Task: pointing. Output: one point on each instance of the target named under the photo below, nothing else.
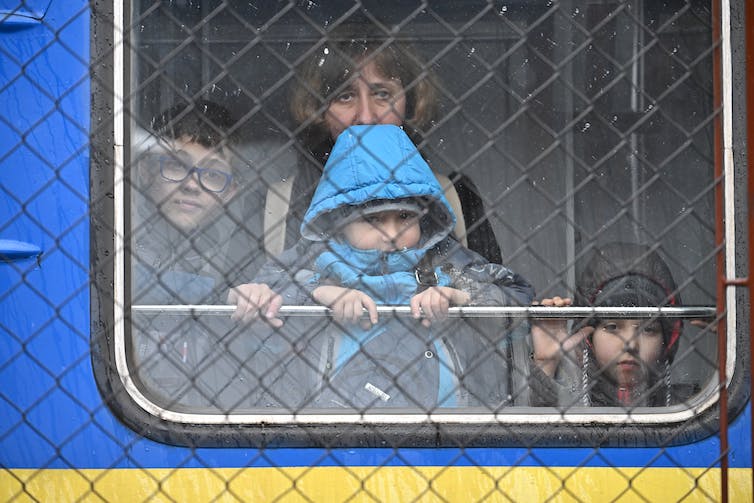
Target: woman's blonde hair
(337, 61)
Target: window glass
(574, 144)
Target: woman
(370, 79)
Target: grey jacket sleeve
(291, 274)
(516, 290)
(513, 289)
(564, 390)
(488, 284)
(483, 293)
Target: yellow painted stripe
(374, 484)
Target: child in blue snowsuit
(377, 233)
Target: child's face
(385, 231)
(628, 350)
(371, 98)
(188, 201)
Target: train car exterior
(576, 124)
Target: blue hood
(372, 163)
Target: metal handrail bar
(546, 312)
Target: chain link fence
(576, 145)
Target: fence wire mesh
(573, 142)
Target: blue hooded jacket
(376, 168)
(397, 362)
(373, 163)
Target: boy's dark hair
(325, 73)
(204, 122)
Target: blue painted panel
(45, 368)
(17, 12)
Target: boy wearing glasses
(184, 181)
(179, 254)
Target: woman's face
(370, 98)
(628, 351)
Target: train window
(573, 142)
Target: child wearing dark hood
(612, 362)
(378, 233)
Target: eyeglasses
(174, 169)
